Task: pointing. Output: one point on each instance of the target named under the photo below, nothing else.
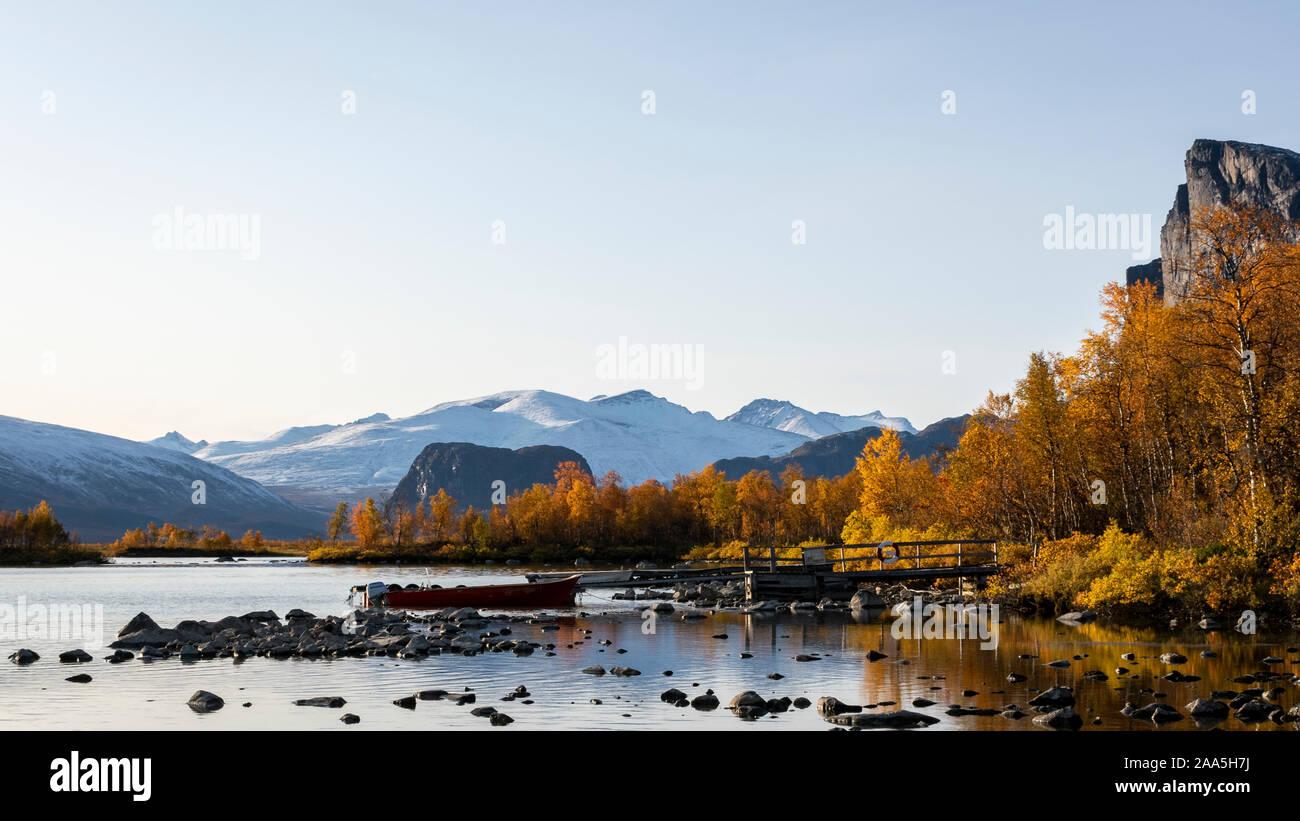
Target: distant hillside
(836, 455)
(101, 485)
(782, 415)
(467, 471)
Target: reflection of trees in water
(964, 665)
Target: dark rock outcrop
(467, 471)
(1149, 272)
(1219, 172)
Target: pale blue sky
(924, 231)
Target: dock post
(771, 557)
(961, 580)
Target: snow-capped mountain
(175, 441)
(101, 485)
(782, 415)
(288, 436)
(640, 435)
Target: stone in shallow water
(832, 706)
(204, 702)
(1055, 697)
(1063, 719)
(321, 701)
(893, 720)
(1207, 708)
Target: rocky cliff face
(467, 471)
(1219, 173)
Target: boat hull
(558, 593)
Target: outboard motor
(375, 593)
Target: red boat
(558, 593)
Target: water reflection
(806, 653)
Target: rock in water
(708, 701)
(204, 702)
(1207, 708)
(1063, 719)
(1055, 697)
(1078, 617)
(321, 701)
(893, 720)
(141, 621)
(748, 699)
(24, 656)
(832, 706)
(866, 599)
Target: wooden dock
(828, 571)
(837, 571)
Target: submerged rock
(321, 701)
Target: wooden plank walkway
(834, 571)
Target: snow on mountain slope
(640, 435)
(782, 415)
(288, 436)
(175, 441)
(101, 485)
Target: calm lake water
(140, 694)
